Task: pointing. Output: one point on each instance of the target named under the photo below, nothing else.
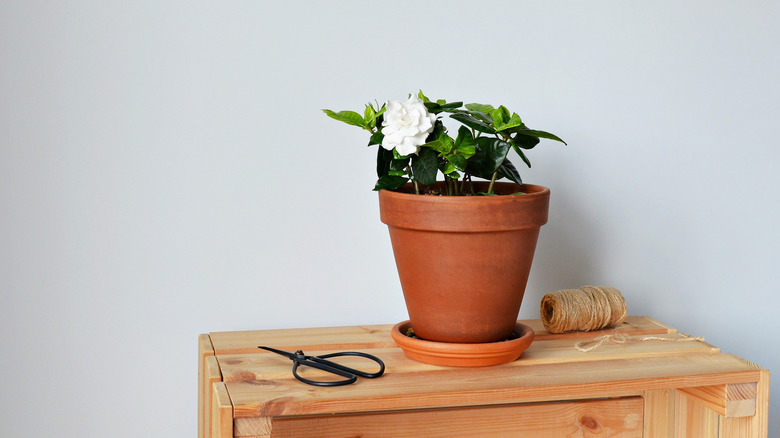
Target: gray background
(165, 171)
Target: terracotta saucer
(463, 355)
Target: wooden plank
(564, 350)
(633, 325)
(742, 408)
(659, 413)
(378, 336)
(204, 349)
(261, 383)
(653, 364)
(614, 418)
(326, 338)
(270, 375)
(693, 418)
(212, 375)
(755, 426)
(263, 365)
(221, 412)
(252, 427)
(656, 323)
(516, 382)
(736, 400)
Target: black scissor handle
(351, 370)
(350, 377)
(321, 363)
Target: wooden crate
(659, 384)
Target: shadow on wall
(568, 254)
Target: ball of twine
(585, 309)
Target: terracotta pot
(464, 261)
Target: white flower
(406, 125)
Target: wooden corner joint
(733, 400)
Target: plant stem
(492, 181)
(414, 181)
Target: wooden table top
(260, 384)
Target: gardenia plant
(416, 146)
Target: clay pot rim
(467, 213)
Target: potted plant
(463, 247)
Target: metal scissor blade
(286, 354)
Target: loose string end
(622, 338)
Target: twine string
(622, 338)
(588, 308)
(591, 308)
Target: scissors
(321, 363)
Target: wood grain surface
(671, 384)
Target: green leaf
(422, 97)
(524, 158)
(464, 143)
(541, 134)
(459, 161)
(478, 107)
(482, 116)
(425, 166)
(476, 114)
(451, 106)
(513, 122)
(388, 164)
(500, 116)
(473, 122)
(436, 145)
(491, 153)
(438, 130)
(372, 117)
(482, 112)
(466, 151)
(376, 138)
(383, 159)
(399, 164)
(449, 143)
(348, 117)
(495, 150)
(509, 171)
(439, 140)
(432, 107)
(525, 142)
(390, 182)
(369, 115)
(441, 106)
(447, 168)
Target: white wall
(165, 171)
